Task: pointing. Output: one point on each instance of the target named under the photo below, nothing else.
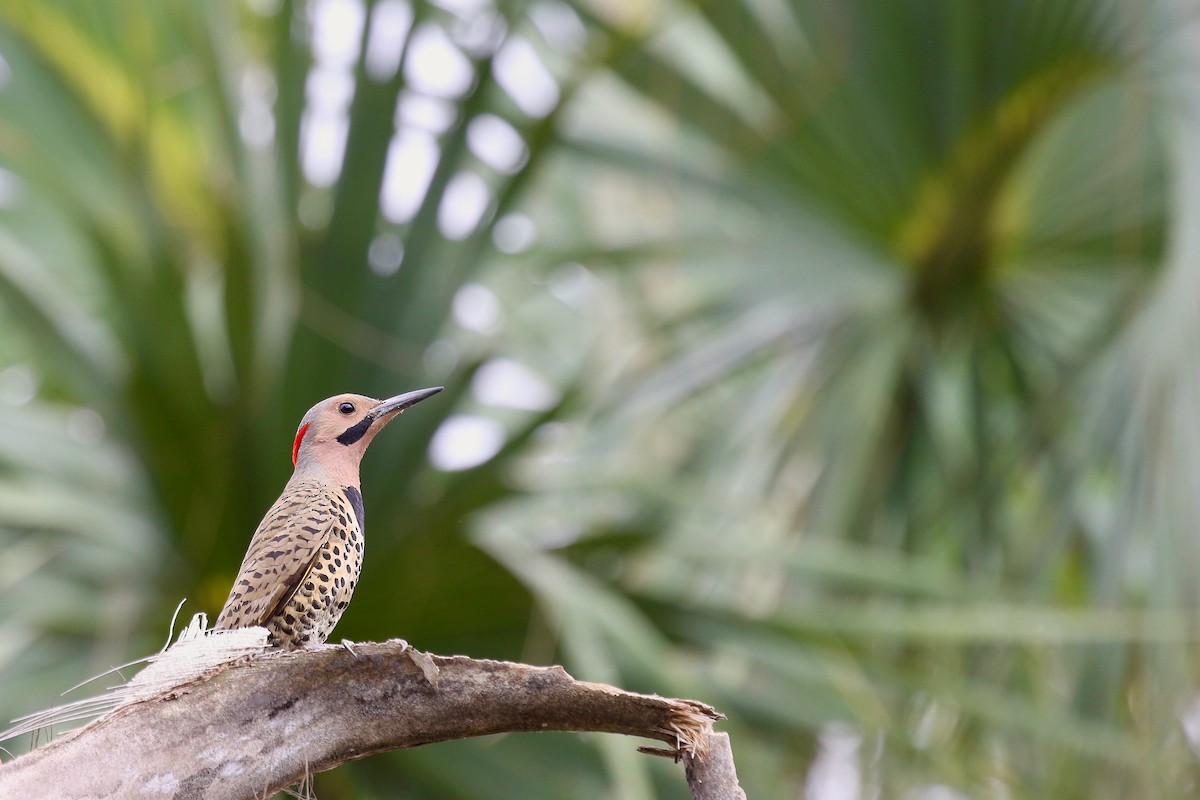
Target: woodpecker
(303, 561)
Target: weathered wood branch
(254, 726)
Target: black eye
(346, 408)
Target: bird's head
(335, 432)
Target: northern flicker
(304, 559)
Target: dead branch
(257, 725)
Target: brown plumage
(303, 561)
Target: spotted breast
(302, 565)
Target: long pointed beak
(394, 405)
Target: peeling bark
(254, 726)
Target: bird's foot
(349, 645)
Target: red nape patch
(296, 444)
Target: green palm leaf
(861, 387)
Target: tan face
(331, 418)
(343, 425)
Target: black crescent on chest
(356, 502)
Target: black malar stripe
(355, 432)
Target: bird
(304, 559)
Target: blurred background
(837, 364)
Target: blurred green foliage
(828, 362)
